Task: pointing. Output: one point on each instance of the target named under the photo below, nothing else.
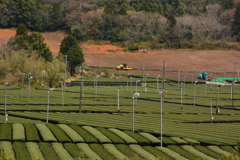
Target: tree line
(134, 24)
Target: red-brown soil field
(212, 61)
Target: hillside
(176, 60)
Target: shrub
(217, 150)
(141, 140)
(156, 152)
(88, 151)
(7, 148)
(151, 138)
(34, 150)
(48, 151)
(31, 133)
(171, 153)
(58, 133)
(207, 151)
(18, 132)
(104, 154)
(179, 141)
(191, 141)
(195, 152)
(21, 151)
(74, 150)
(138, 149)
(114, 138)
(45, 133)
(126, 150)
(85, 134)
(61, 151)
(101, 137)
(6, 132)
(124, 136)
(168, 141)
(75, 137)
(114, 151)
(182, 152)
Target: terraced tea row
(61, 141)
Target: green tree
(123, 9)
(21, 39)
(56, 18)
(236, 23)
(171, 21)
(160, 9)
(145, 7)
(227, 4)
(75, 57)
(37, 44)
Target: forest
(133, 24)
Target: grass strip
(103, 153)
(182, 152)
(31, 133)
(75, 137)
(47, 151)
(21, 151)
(89, 138)
(209, 152)
(157, 153)
(114, 151)
(114, 138)
(179, 141)
(154, 140)
(168, 141)
(74, 151)
(171, 153)
(196, 152)
(141, 140)
(18, 132)
(8, 150)
(58, 133)
(126, 150)
(61, 151)
(101, 137)
(229, 149)
(145, 154)
(6, 132)
(46, 133)
(84, 147)
(217, 150)
(34, 150)
(128, 139)
(191, 141)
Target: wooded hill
(134, 24)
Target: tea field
(58, 125)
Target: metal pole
(65, 74)
(161, 119)
(194, 94)
(163, 73)
(81, 90)
(62, 94)
(48, 106)
(23, 83)
(178, 80)
(181, 97)
(192, 75)
(217, 99)
(29, 87)
(133, 116)
(42, 79)
(5, 102)
(136, 90)
(211, 117)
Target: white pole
(5, 102)
(133, 116)
(181, 97)
(48, 106)
(161, 120)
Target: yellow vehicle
(123, 66)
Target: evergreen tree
(70, 47)
(160, 9)
(145, 7)
(123, 9)
(21, 39)
(37, 44)
(227, 4)
(56, 16)
(236, 22)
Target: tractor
(123, 66)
